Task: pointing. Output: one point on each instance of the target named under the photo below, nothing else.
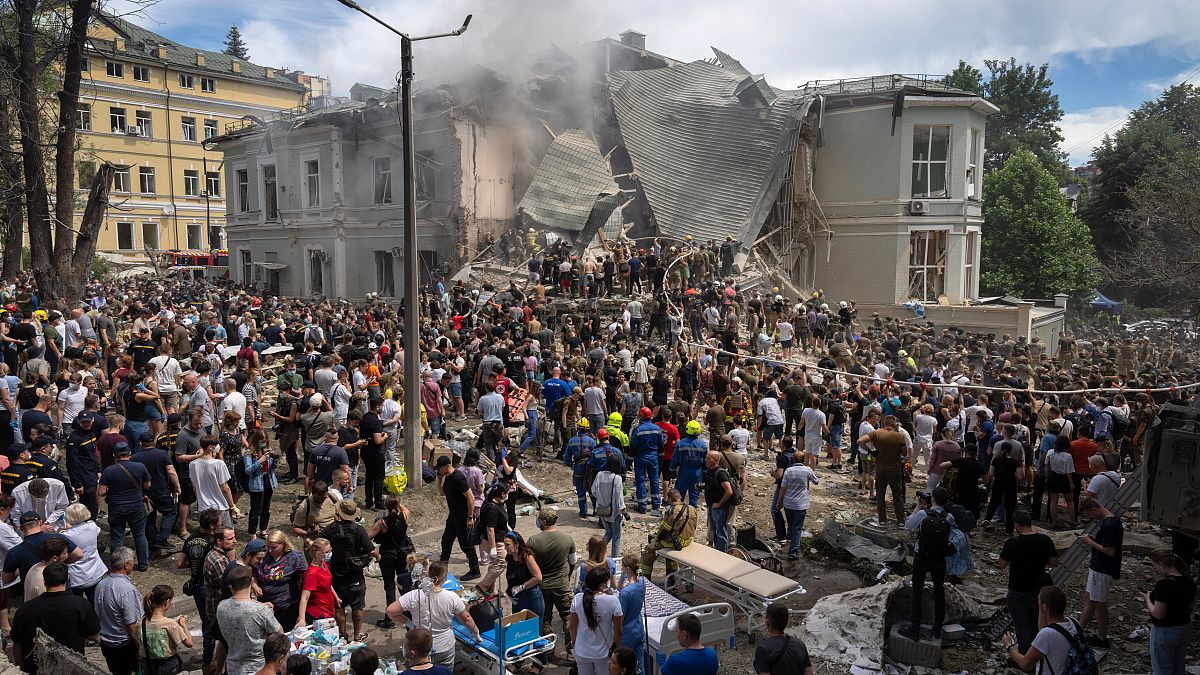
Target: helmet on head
(692, 428)
(583, 423)
(614, 418)
(646, 413)
(602, 434)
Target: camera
(925, 496)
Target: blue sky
(1106, 56)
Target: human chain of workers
(645, 360)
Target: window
(115, 69)
(429, 265)
(969, 290)
(243, 190)
(931, 149)
(85, 117)
(926, 264)
(86, 171)
(316, 273)
(212, 183)
(146, 179)
(186, 81)
(210, 129)
(385, 279)
(116, 119)
(270, 193)
(121, 179)
(973, 168)
(208, 84)
(312, 183)
(141, 73)
(145, 123)
(150, 236)
(195, 239)
(216, 237)
(383, 180)
(125, 237)
(86, 65)
(189, 128)
(191, 183)
(426, 170)
(247, 268)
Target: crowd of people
(150, 397)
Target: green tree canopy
(1033, 246)
(1029, 115)
(965, 77)
(235, 45)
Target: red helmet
(602, 434)
(646, 413)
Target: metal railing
(876, 83)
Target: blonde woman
(281, 575)
(90, 569)
(318, 600)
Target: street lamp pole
(412, 310)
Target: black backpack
(933, 536)
(347, 555)
(1117, 426)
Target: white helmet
(842, 304)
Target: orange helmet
(602, 434)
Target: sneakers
(470, 575)
(1097, 641)
(386, 623)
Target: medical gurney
(663, 609)
(484, 656)
(741, 583)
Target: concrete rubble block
(860, 547)
(921, 652)
(1134, 542)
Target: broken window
(316, 273)
(930, 161)
(312, 183)
(243, 190)
(426, 170)
(969, 290)
(121, 179)
(973, 168)
(270, 193)
(383, 180)
(927, 264)
(86, 171)
(385, 278)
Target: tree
(235, 45)
(1033, 246)
(50, 35)
(1156, 135)
(965, 77)
(1028, 118)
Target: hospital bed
(484, 657)
(746, 586)
(662, 611)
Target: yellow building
(147, 105)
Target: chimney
(235, 66)
(1060, 300)
(634, 39)
(270, 73)
(161, 52)
(119, 44)
(199, 59)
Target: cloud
(1157, 86)
(1083, 130)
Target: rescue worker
(618, 438)
(688, 462)
(576, 454)
(646, 446)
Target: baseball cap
(42, 441)
(86, 416)
(442, 461)
(30, 517)
(175, 418)
(120, 447)
(255, 546)
(146, 437)
(308, 383)
(16, 449)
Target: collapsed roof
(572, 181)
(708, 144)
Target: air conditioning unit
(133, 131)
(918, 207)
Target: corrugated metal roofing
(709, 164)
(573, 175)
(184, 57)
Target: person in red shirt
(1082, 448)
(318, 600)
(662, 419)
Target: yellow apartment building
(147, 104)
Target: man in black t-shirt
(1104, 567)
(29, 552)
(1026, 555)
(123, 483)
(67, 618)
(780, 653)
(718, 495)
(373, 436)
(324, 459)
(164, 487)
(966, 483)
(460, 516)
(347, 540)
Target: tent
(1103, 302)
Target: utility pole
(412, 308)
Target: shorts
(786, 344)
(868, 465)
(1058, 483)
(770, 431)
(812, 446)
(1099, 585)
(153, 414)
(352, 590)
(187, 494)
(456, 390)
(169, 399)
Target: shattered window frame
(270, 192)
(382, 167)
(925, 163)
(385, 274)
(927, 251)
(242, 177)
(126, 240)
(426, 175)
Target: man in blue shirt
(123, 483)
(687, 462)
(694, 658)
(645, 445)
(576, 453)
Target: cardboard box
(433, 448)
(520, 627)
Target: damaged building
(865, 189)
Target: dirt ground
(822, 570)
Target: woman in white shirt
(595, 624)
(340, 398)
(434, 609)
(90, 569)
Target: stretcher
(484, 657)
(662, 613)
(746, 586)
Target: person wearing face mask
(318, 600)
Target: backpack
(1117, 426)
(933, 536)
(949, 481)
(1080, 660)
(348, 556)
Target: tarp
(1108, 304)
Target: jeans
(835, 435)
(612, 533)
(530, 599)
(777, 517)
(688, 484)
(260, 510)
(1024, 610)
(210, 638)
(795, 523)
(134, 430)
(895, 481)
(936, 569)
(135, 518)
(164, 506)
(1168, 648)
(121, 660)
(718, 527)
(645, 468)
